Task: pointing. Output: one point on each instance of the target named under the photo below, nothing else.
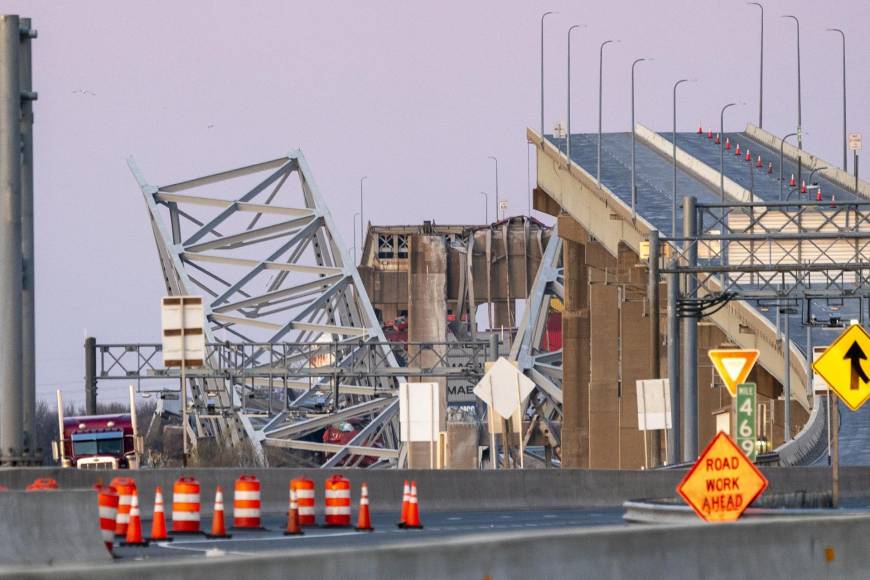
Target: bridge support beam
(575, 349)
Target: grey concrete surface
(46, 527)
(801, 548)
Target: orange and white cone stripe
(158, 520)
(246, 503)
(125, 487)
(185, 505)
(108, 506)
(337, 510)
(304, 489)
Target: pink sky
(414, 95)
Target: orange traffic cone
(413, 521)
(293, 527)
(718, 139)
(406, 500)
(364, 520)
(218, 527)
(833, 200)
(158, 520)
(737, 150)
(803, 186)
(727, 143)
(758, 163)
(700, 129)
(792, 182)
(709, 134)
(769, 167)
(134, 528)
(748, 155)
(819, 195)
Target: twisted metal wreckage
(306, 350)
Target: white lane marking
(454, 519)
(506, 517)
(550, 516)
(169, 545)
(260, 539)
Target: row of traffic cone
(410, 518)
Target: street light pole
(674, 155)
(496, 185)
(361, 232)
(760, 67)
(543, 16)
(722, 150)
(568, 139)
(600, 95)
(781, 146)
(356, 215)
(485, 207)
(633, 139)
(798, 25)
(845, 137)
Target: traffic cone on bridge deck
(803, 186)
(758, 163)
(769, 167)
(737, 150)
(134, 527)
(218, 525)
(700, 129)
(819, 194)
(293, 526)
(709, 133)
(728, 143)
(413, 520)
(748, 155)
(718, 139)
(364, 520)
(792, 182)
(158, 520)
(406, 500)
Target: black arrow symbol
(856, 355)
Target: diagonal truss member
(259, 244)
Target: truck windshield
(98, 443)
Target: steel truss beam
(259, 243)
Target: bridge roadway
(436, 524)
(654, 181)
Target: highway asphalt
(436, 524)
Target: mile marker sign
(722, 483)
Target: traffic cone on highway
(718, 139)
(737, 150)
(819, 195)
(728, 143)
(758, 163)
(803, 186)
(406, 500)
(700, 129)
(748, 155)
(218, 526)
(792, 182)
(364, 520)
(709, 134)
(293, 527)
(413, 521)
(833, 201)
(158, 520)
(134, 528)
(769, 167)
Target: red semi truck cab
(99, 442)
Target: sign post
(504, 388)
(733, 365)
(723, 482)
(746, 423)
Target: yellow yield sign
(733, 365)
(845, 368)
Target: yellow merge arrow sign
(733, 365)
(845, 367)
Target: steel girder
(260, 245)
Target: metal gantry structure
(782, 254)
(260, 245)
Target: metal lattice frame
(260, 245)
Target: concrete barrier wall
(445, 490)
(787, 548)
(833, 172)
(45, 527)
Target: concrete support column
(10, 242)
(575, 357)
(427, 317)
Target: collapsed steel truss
(260, 245)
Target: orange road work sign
(722, 483)
(845, 367)
(733, 365)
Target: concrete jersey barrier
(45, 527)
